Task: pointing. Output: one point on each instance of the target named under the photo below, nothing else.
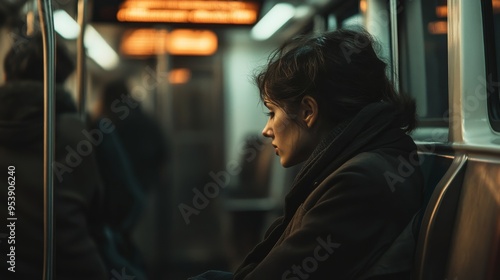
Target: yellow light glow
(179, 76)
(438, 27)
(496, 6)
(192, 42)
(212, 12)
(190, 5)
(147, 42)
(142, 42)
(232, 17)
(363, 6)
(442, 11)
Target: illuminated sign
(179, 76)
(438, 27)
(219, 12)
(147, 42)
(442, 11)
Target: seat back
(460, 230)
(475, 246)
(433, 167)
(438, 219)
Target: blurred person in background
(139, 133)
(77, 186)
(130, 159)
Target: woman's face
(292, 142)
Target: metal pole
(47, 29)
(394, 44)
(81, 69)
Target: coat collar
(375, 126)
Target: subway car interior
(190, 184)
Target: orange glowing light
(363, 6)
(147, 42)
(210, 12)
(437, 27)
(442, 11)
(189, 5)
(496, 6)
(179, 76)
(192, 42)
(143, 42)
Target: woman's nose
(267, 131)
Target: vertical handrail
(48, 35)
(81, 69)
(394, 44)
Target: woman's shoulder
(376, 174)
(372, 164)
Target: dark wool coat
(347, 214)
(77, 188)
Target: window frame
(491, 66)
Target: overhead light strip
(65, 25)
(97, 48)
(272, 21)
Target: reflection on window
(496, 31)
(348, 16)
(424, 57)
(492, 52)
(436, 58)
(353, 21)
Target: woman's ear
(309, 110)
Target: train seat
(475, 246)
(433, 167)
(460, 224)
(437, 224)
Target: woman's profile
(349, 211)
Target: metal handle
(48, 35)
(394, 44)
(80, 65)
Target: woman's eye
(270, 114)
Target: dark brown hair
(340, 69)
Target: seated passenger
(350, 209)
(77, 187)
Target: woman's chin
(287, 163)
(284, 162)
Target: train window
(346, 16)
(353, 21)
(372, 16)
(424, 58)
(491, 26)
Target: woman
(350, 209)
